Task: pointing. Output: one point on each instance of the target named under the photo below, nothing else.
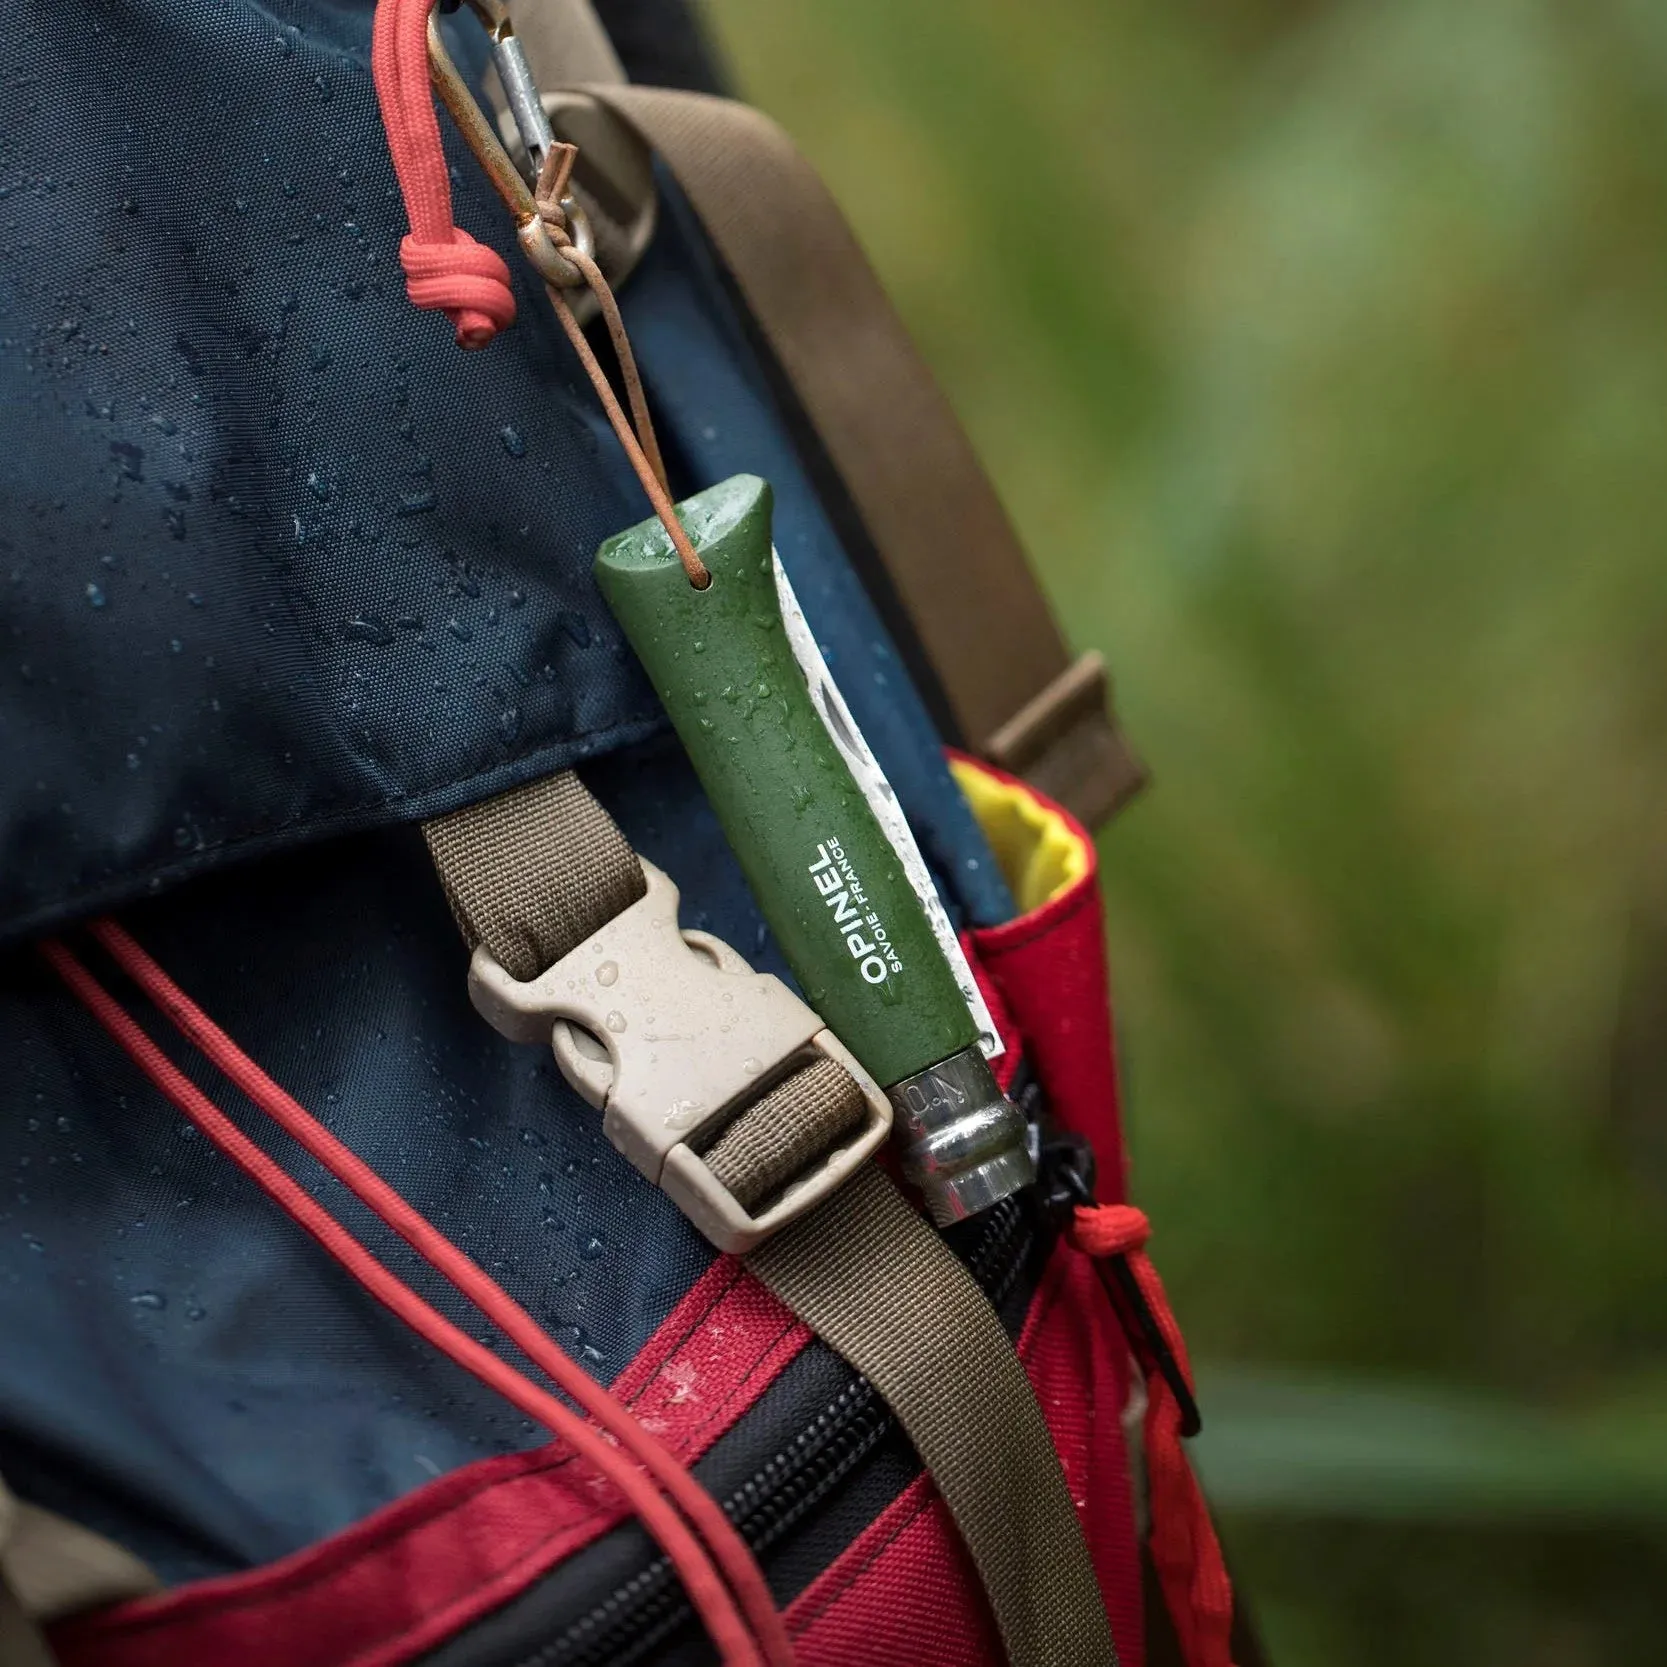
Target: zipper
(650, 1606)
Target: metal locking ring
(544, 253)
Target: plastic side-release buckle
(671, 1034)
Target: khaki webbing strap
(946, 542)
(822, 1103)
(22, 1644)
(533, 872)
(868, 1275)
(21, 1641)
(864, 1270)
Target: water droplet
(608, 973)
(319, 487)
(512, 441)
(615, 1021)
(95, 594)
(751, 1066)
(148, 1299)
(509, 724)
(592, 1247)
(174, 520)
(417, 503)
(368, 628)
(531, 1137)
(459, 630)
(576, 627)
(195, 1311)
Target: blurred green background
(1320, 352)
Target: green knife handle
(819, 864)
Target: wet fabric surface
(187, 1370)
(281, 572)
(279, 560)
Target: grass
(1320, 352)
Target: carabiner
(534, 126)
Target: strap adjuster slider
(671, 1034)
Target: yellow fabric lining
(1038, 850)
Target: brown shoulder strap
(949, 550)
(947, 544)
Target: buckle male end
(671, 1034)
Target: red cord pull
(446, 270)
(1183, 1540)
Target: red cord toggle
(446, 270)
(1102, 1230)
(1183, 1541)
(465, 280)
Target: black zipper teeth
(780, 1493)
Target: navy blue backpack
(285, 577)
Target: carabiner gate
(478, 133)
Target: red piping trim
(1081, 893)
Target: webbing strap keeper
(1067, 741)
